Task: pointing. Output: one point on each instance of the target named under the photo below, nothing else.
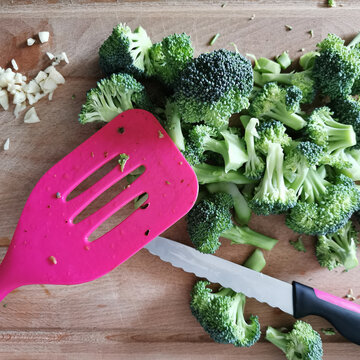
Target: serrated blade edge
(253, 284)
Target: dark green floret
(278, 103)
(271, 131)
(125, 51)
(302, 342)
(170, 56)
(338, 249)
(272, 196)
(210, 219)
(255, 165)
(112, 96)
(337, 67)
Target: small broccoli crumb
(298, 244)
(53, 260)
(252, 17)
(73, 96)
(5, 305)
(161, 135)
(288, 27)
(235, 47)
(331, 3)
(311, 32)
(214, 38)
(302, 50)
(350, 295)
(328, 331)
(223, 5)
(122, 161)
(58, 195)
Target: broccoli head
(170, 56)
(221, 314)
(337, 67)
(339, 248)
(272, 196)
(278, 103)
(210, 219)
(271, 131)
(302, 342)
(126, 51)
(112, 96)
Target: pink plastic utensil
(48, 248)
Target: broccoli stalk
(272, 196)
(221, 313)
(280, 104)
(173, 125)
(302, 342)
(339, 248)
(210, 219)
(255, 166)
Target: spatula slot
(110, 193)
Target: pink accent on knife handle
(346, 304)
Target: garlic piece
(44, 36)
(31, 116)
(14, 65)
(30, 41)
(7, 144)
(4, 99)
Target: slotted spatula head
(48, 248)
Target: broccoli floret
(255, 166)
(112, 96)
(207, 174)
(324, 131)
(333, 250)
(125, 51)
(323, 206)
(302, 342)
(303, 80)
(347, 111)
(298, 160)
(170, 56)
(271, 131)
(337, 67)
(221, 313)
(272, 196)
(298, 244)
(210, 218)
(213, 87)
(278, 103)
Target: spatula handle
(344, 315)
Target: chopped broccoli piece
(255, 261)
(307, 60)
(352, 157)
(278, 103)
(337, 67)
(298, 244)
(328, 331)
(207, 174)
(272, 196)
(331, 3)
(112, 96)
(255, 166)
(213, 39)
(170, 56)
(339, 248)
(302, 79)
(123, 158)
(202, 138)
(213, 87)
(241, 207)
(271, 131)
(302, 342)
(172, 124)
(126, 51)
(210, 218)
(323, 207)
(264, 65)
(284, 60)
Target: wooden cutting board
(141, 309)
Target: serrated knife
(296, 299)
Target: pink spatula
(48, 248)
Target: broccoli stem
(277, 338)
(173, 125)
(339, 135)
(346, 250)
(314, 186)
(291, 120)
(255, 261)
(244, 235)
(354, 41)
(241, 207)
(207, 174)
(281, 78)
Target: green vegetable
(284, 60)
(221, 313)
(339, 248)
(280, 104)
(302, 342)
(307, 60)
(331, 3)
(210, 218)
(112, 96)
(264, 65)
(126, 51)
(123, 158)
(298, 244)
(214, 38)
(328, 331)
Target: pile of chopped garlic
(45, 83)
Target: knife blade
(296, 299)
(264, 288)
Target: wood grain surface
(141, 309)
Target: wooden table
(141, 309)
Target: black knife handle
(343, 314)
